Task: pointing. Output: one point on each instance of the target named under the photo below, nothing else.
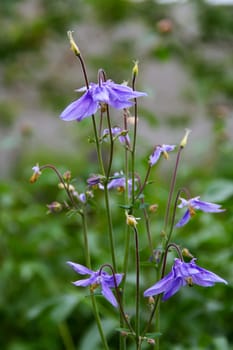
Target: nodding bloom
(119, 182)
(106, 92)
(36, 173)
(195, 204)
(160, 150)
(183, 274)
(119, 133)
(98, 278)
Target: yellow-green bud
(73, 45)
(135, 68)
(185, 138)
(186, 253)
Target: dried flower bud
(131, 220)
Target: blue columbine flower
(195, 204)
(118, 182)
(96, 279)
(160, 149)
(119, 133)
(183, 274)
(108, 92)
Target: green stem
(98, 150)
(98, 322)
(134, 144)
(88, 263)
(137, 314)
(111, 143)
(66, 336)
(110, 226)
(172, 186)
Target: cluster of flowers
(183, 273)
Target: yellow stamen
(189, 280)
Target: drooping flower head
(36, 173)
(194, 204)
(107, 92)
(183, 274)
(97, 279)
(119, 133)
(160, 150)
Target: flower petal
(82, 270)
(161, 286)
(108, 294)
(85, 282)
(174, 287)
(206, 206)
(183, 221)
(80, 109)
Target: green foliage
(39, 307)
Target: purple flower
(98, 278)
(115, 95)
(119, 133)
(118, 182)
(160, 149)
(183, 274)
(195, 203)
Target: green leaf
(219, 190)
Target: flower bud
(165, 26)
(135, 68)
(70, 187)
(185, 138)
(54, 207)
(131, 220)
(73, 45)
(186, 253)
(153, 208)
(67, 175)
(36, 173)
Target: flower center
(189, 281)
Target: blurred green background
(186, 67)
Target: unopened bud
(73, 45)
(69, 187)
(150, 341)
(151, 300)
(185, 138)
(186, 253)
(54, 207)
(165, 26)
(67, 175)
(135, 68)
(153, 208)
